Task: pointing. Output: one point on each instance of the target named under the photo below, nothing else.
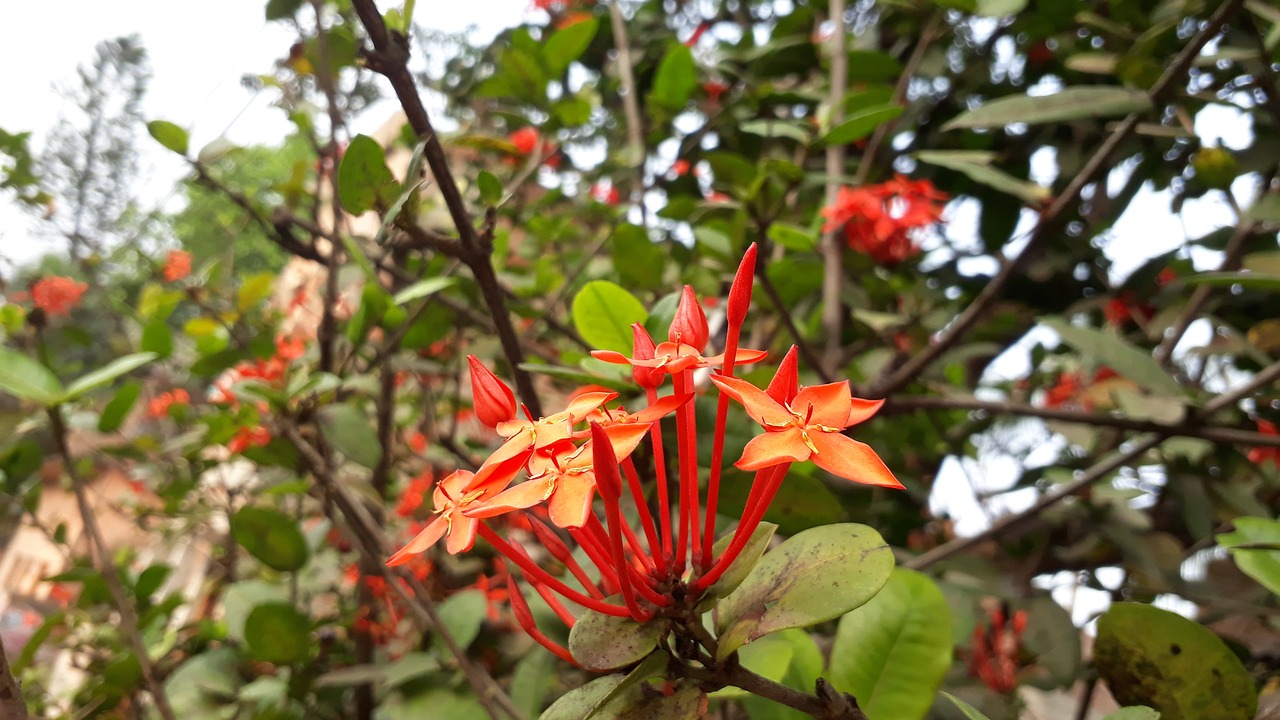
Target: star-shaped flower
(809, 428)
(452, 496)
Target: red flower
(1260, 455)
(249, 437)
(714, 89)
(1124, 309)
(493, 401)
(993, 654)
(882, 220)
(160, 405)
(680, 168)
(177, 265)
(57, 295)
(606, 194)
(413, 495)
(417, 442)
(526, 140)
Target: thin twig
(12, 707)
(1054, 215)
(630, 101)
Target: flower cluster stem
(532, 570)
(664, 492)
(687, 445)
(767, 481)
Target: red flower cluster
(527, 141)
(882, 221)
(606, 194)
(1071, 389)
(1260, 455)
(247, 438)
(57, 295)
(411, 500)
(161, 404)
(993, 654)
(569, 457)
(177, 265)
(271, 371)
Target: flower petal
(462, 534)
(570, 504)
(861, 410)
(423, 540)
(452, 488)
(842, 455)
(626, 437)
(611, 356)
(665, 406)
(773, 448)
(828, 403)
(524, 495)
(583, 405)
(497, 474)
(762, 408)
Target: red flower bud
(642, 349)
(551, 542)
(689, 326)
(493, 400)
(786, 381)
(608, 477)
(740, 291)
(519, 607)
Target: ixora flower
(882, 220)
(57, 295)
(570, 474)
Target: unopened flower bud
(740, 291)
(642, 349)
(786, 381)
(689, 326)
(493, 400)
(608, 477)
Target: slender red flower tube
(689, 326)
(532, 570)
(736, 314)
(560, 551)
(769, 480)
(520, 608)
(600, 556)
(687, 446)
(646, 518)
(609, 482)
(493, 400)
(545, 593)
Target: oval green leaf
(676, 78)
(1073, 103)
(604, 642)
(363, 177)
(277, 633)
(118, 408)
(817, 575)
(270, 536)
(861, 124)
(603, 313)
(22, 376)
(106, 374)
(1153, 657)
(742, 565)
(351, 433)
(169, 135)
(1253, 545)
(568, 43)
(893, 652)
(1111, 350)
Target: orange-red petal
(773, 448)
(665, 405)
(829, 404)
(861, 410)
(762, 408)
(429, 536)
(462, 534)
(842, 455)
(570, 504)
(525, 495)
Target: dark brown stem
(1055, 215)
(98, 548)
(825, 703)
(12, 706)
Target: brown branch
(825, 703)
(1185, 428)
(106, 564)
(1054, 215)
(832, 244)
(630, 101)
(1095, 473)
(12, 707)
(389, 57)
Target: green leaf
(169, 135)
(637, 702)
(1136, 712)
(568, 43)
(576, 703)
(118, 408)
(532, 676)
(638, 260)
(422, 289)
(1258, 563)
(603, 313)
(817, 575)
(270, 536)
(282, 9)
(652, 666)
(977, 166)
(490, 188)
(1110, 350)
(792, 237)
(1000, 8)
(157, 338)
(860, 124)
(204, 685)
(277, 633)
(1154, 657)
(434, 702)
(351, 433)
(893, 652)
(106, 374)
(463, 614)
(363, 177)
(1267, 263)
(742, 565)
(24, 377)
(1073, 103)
(969, 711)
(1053, 639)
(676, 78)
(777, 128)
(604, 642)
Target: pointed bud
(519, 606)
(551, 541)
(786, 381)
(740, 291)
(642, 349)
(493, 400)
(608, 477)
(689, 326)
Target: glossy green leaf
(604, 642)
(817, 575)
(463, 614)
(638, 260)
(746, 561)
(568, 43)
(363, 177)
(651, 666)
(576, 703)
(1073, 103)
(169, 135)
(157, 337)
(22, 376)
(977, 166)
(118, 408)
(351, 432)
(603, 313)
(676, 78)
(792, 237)
(803, 668)
(530, 680)
(1252, 545)
(968, 710)
(277, 633)
(270, 536)
(1154, 657)
(490, 188)
(106, 374)
(1111, 350)
(860, 124)
(892, 653)
(423, 288)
